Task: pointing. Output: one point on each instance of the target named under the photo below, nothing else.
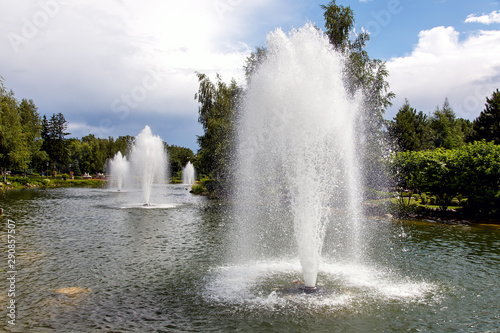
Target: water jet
(297, 157)
(146, 165)
(188, 174)
(119, 168)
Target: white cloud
(84, 55)
(493, 17)
(443, 66)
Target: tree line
(30, 143)
(414, 131)
(449, 157)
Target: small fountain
(147, 164)
(119, 169)
(297, 172)
(188, 174)
(148, 159)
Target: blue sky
(112, 67)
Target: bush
(423, 198)
(198, 189)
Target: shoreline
(44, 183)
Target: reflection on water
(85, 264)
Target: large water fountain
(146, 165)
(298, 168)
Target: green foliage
(31, 127)
(54, 141)
(472, 171)
(179, 156)
(423, 198)
(217, 105)
(362, 74)
(411, 129)
(339, 21)
(447, 130)
(198, 189)
(253, 61)
(19, 131)
(487, 125)
(90, 154)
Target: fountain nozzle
(309, 290)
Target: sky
(112, 67)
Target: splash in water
(297, 170)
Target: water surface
(165, 269)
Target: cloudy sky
(112, 67)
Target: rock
(72, 291)
(388, 216)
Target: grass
(14, 182)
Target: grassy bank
(36, 181)
(425, 207)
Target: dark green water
(164, 269)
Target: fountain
(297, 157)
(119, 171)
(188, 174)
(148, 159)
(147, 164)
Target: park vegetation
(449, 159)
(34, 146)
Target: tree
(178, 157)
(31, 127)
(362, 74)
(54, 141)
(479, 177)
(13, 148)
(447, 130)
(487, 124)
(411, 129)
(472, 170)
(253, 61)
(217, 105)
(339, 21)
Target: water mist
(119, 169)
(147, 164)
(188, 174)
(297, 166)
(149, 161)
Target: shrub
(423, 198)
(198, 189)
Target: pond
(90, 260)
